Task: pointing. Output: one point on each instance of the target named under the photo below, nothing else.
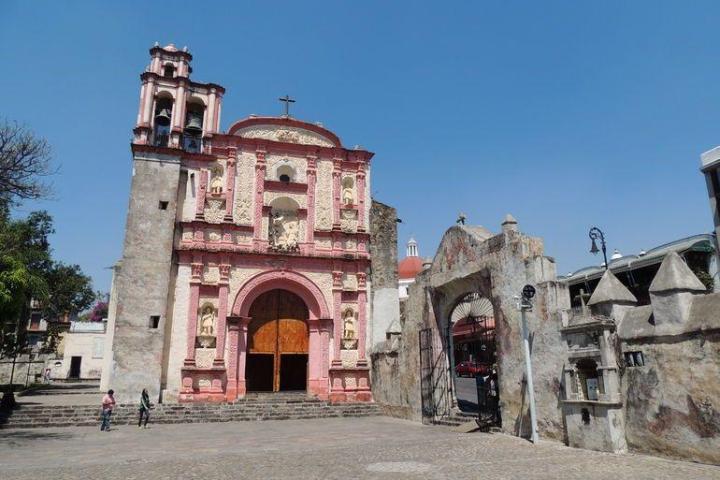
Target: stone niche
(593, 406)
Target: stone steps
(39, 416)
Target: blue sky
(567, 114)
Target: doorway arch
(277, 346)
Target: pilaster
(193, 305)
(202, 192)
(230, 183)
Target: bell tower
(174, 111)
(176, 121)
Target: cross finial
(287, 101)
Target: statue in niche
(216, 185)
(284, 231)
(349, 339)
(348, 197)
(207, 321)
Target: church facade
(246, 257)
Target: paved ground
(371, 448)
(466, 393)
(62, 394)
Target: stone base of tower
(350, 384)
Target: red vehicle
(471, 369)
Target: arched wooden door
(277, 343)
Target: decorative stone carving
(348, 221)
(244, 189)
(204, 357)
(242, 211)
(211, 274)
(323, 210)
(284, 231)
(349, 338)
(285, 134)
(214, 236)
(349, 282)
(214, 210)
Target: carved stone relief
(214, 210)
(211, 274)
(348, 221)
(349, 282)
(323, 196)
(244, 186)
(204, 357)
(284, 231)
(285, 134)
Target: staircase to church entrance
(254, 407)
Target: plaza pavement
(345, 448)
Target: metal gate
(426, 374)
(487, 380)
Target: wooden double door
(277, 356)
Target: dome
(409, 267)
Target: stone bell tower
(176, 121)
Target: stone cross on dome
(287, 100)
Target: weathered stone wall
(143, 280)
(673, 402)
(385, 305)
(396, 362)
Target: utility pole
(525, 305)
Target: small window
(163, 204)
(154, 321)
(285, 178)
(169, 71)
(634, 359)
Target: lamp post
(525, 304)
(595, 234)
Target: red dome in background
(409, 267)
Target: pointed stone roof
(674, 274)
(611, 290)
(509, 219)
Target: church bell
(163, 118)
(194, 123)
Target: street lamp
(596, 233)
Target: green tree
(24, 260)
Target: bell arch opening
(278, 343)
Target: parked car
(471, 369)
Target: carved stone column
(242, 355)
(231, 389)
(230, 183)
(193, 305)
(361, 198)
(314, 357)
(337, 321)
(201, 193)
(362, 318)
(337, 173)
(260, 167)
(310, 220)
(223, 286)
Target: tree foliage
(24, 259)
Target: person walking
(144, 408)
(108, 403)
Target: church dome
(409, 267)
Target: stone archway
(319, 325)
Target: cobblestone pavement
(370, 448)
